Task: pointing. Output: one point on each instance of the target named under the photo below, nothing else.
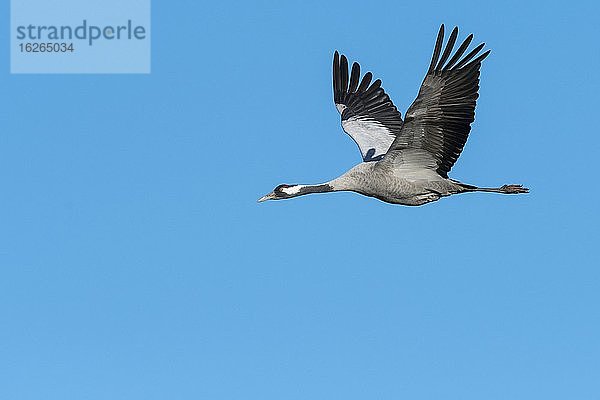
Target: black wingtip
(336, 78)
(343, 60)
(449, 48)
(479, 59)
(437, 49)
(454, 31)
(458, 54)
(366, 81)
(354, 77)
(344, 73)
(469, 56)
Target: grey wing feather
(439, 120)
(368, 115)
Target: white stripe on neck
(292, 189)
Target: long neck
(300, 190)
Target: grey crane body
(406, 161)
(393, 185)
(397, 185)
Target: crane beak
(266, 197)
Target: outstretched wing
(439, 120)
(368, 114)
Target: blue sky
(135, 262)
